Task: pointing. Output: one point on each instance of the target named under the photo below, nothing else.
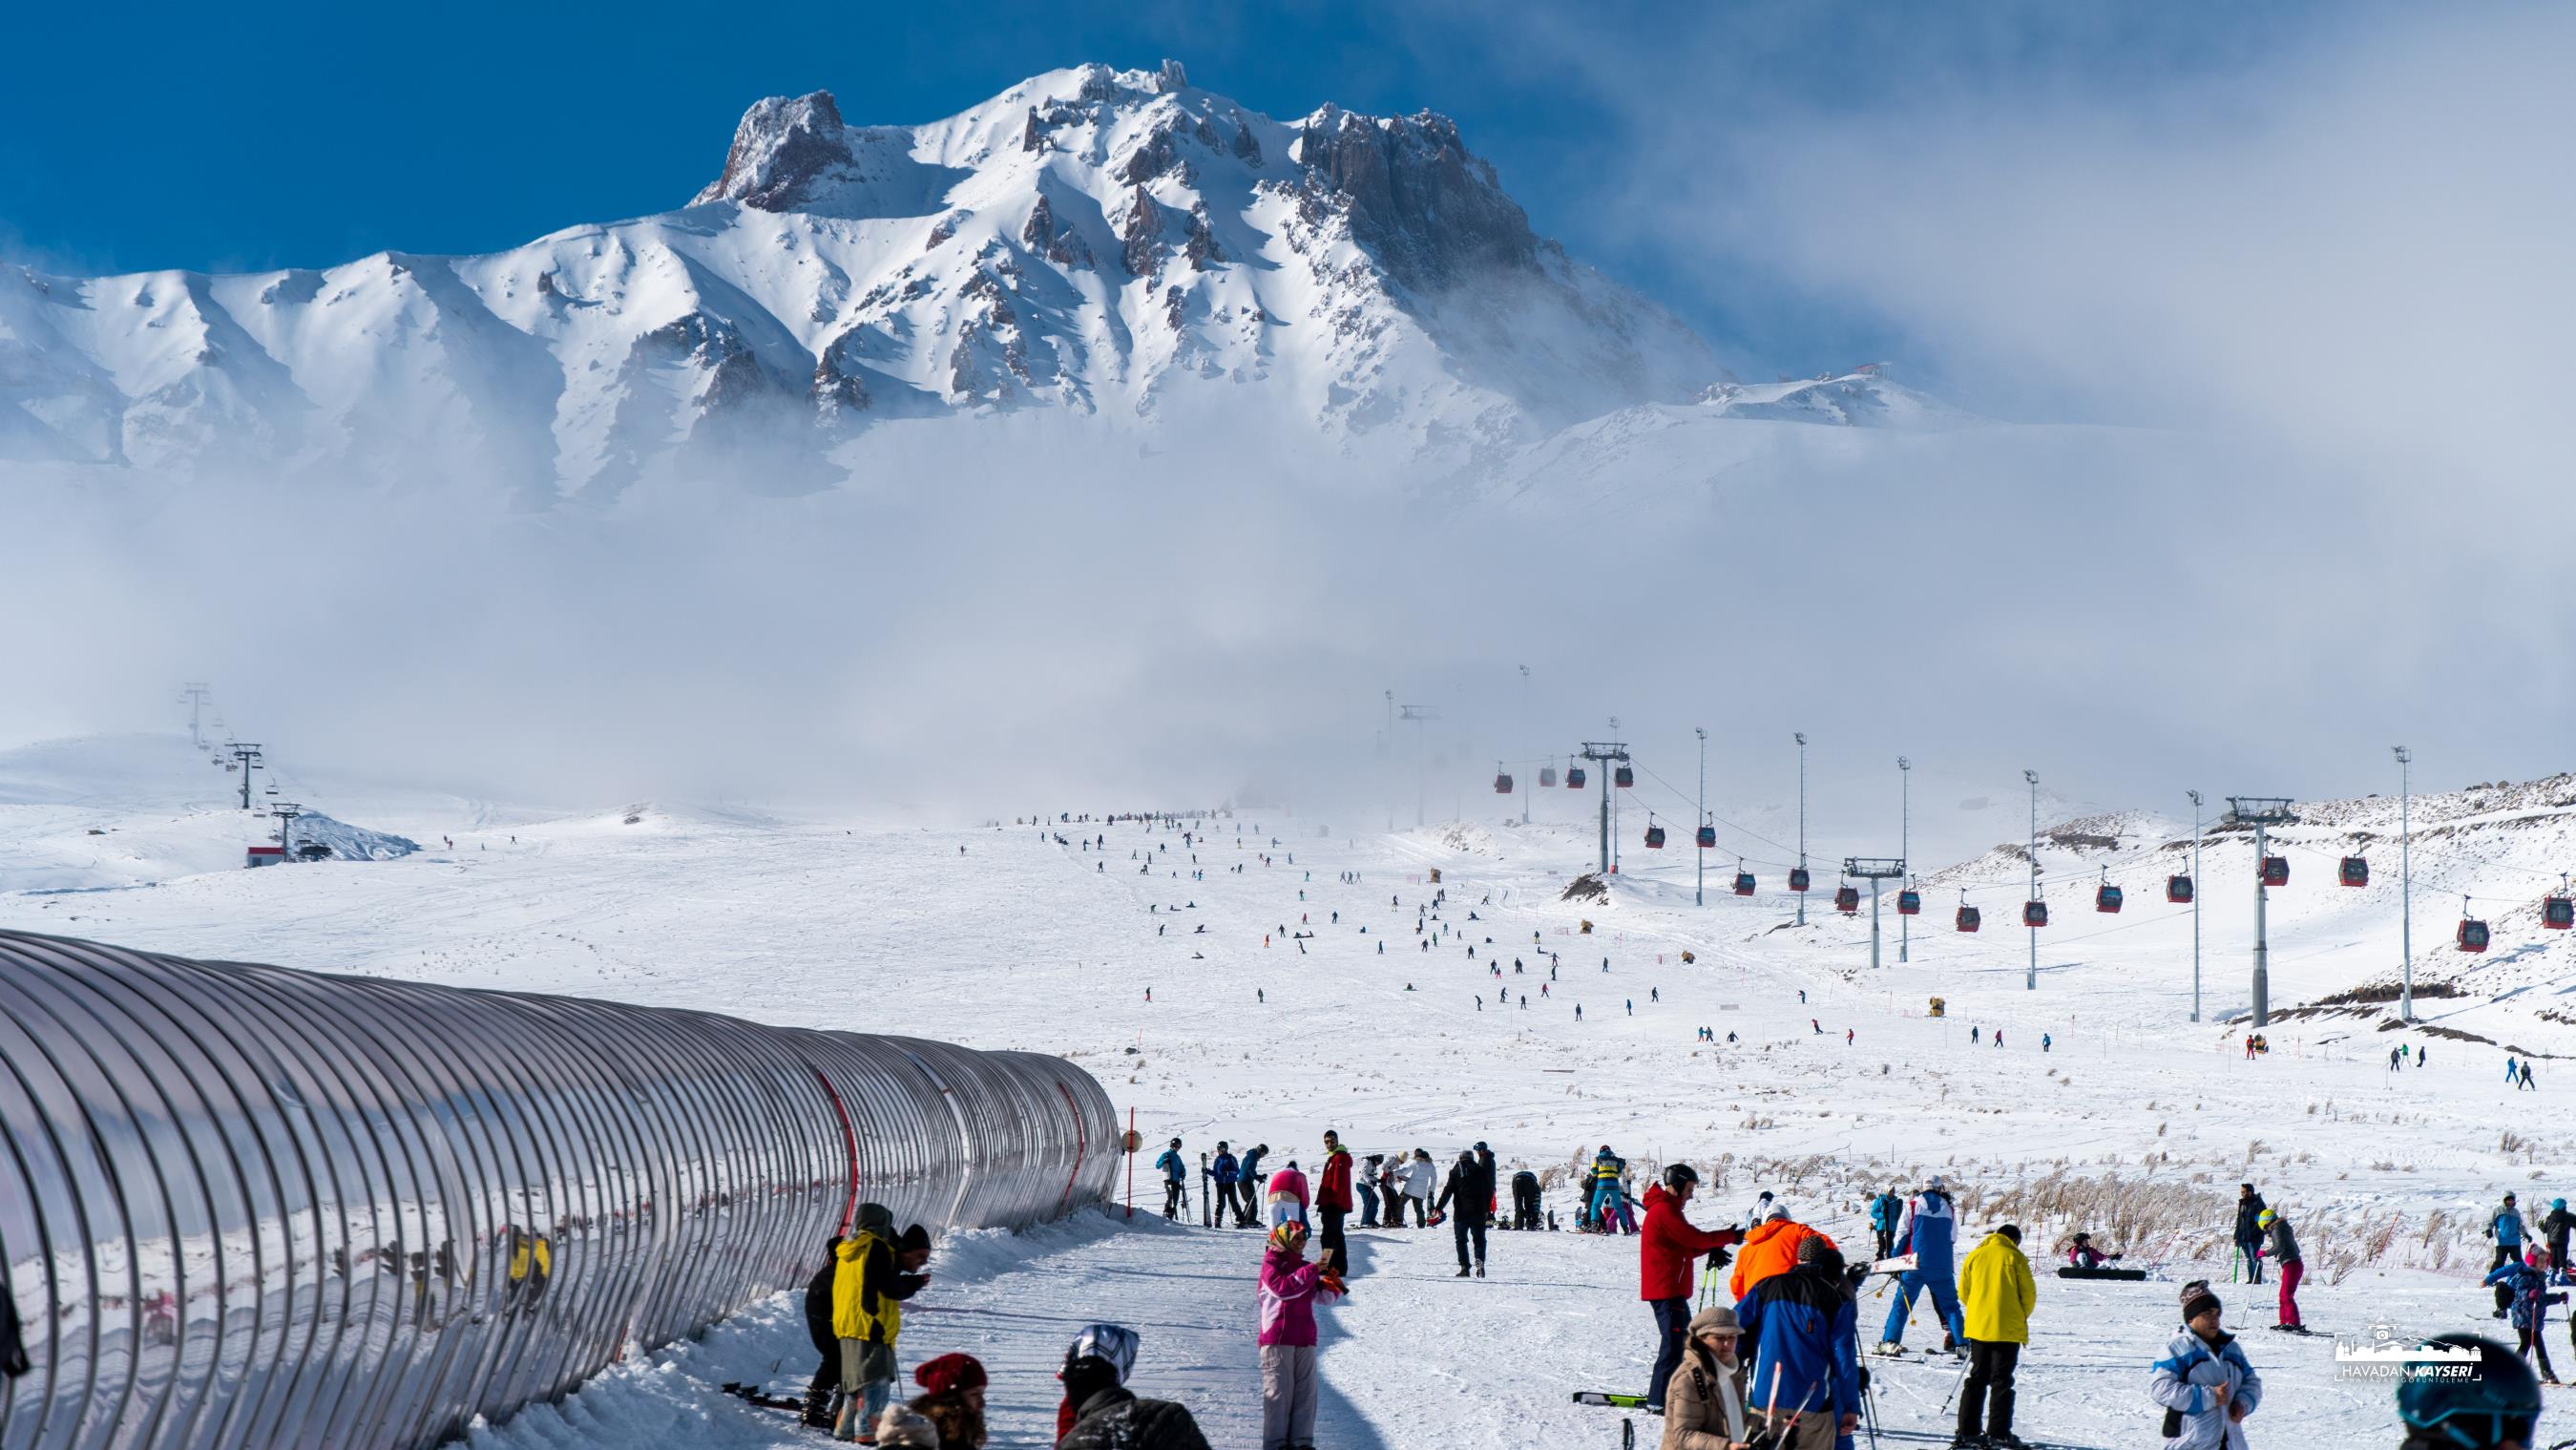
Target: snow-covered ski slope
(2135, 1124)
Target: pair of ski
(1638, 1402)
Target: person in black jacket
(13, 1348)
(1106, 1415)
(1524, 1200)
(2554, 1227)
(2249, 1233)
(1468, 1195)
(818, 1327)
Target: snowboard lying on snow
(2127, 1275)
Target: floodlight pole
(1802, 822)
(1699, 886)
(2405, 887)
(2030, 976)
(1904, 843)
(2195, 903)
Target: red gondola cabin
(1574, 777)
(2106, 898)
(2034, 913)
(1623, 777)
(1969, 918)
(1547, 776)
(1502, 785)
(1797, 878)
(2276, 870)
(1744, 883)
(1654, 838)
(2353, 871)
(1847, 900)
(2178, 888)
(2557, 912)
(2473, 934)
(1909, 902)
(1707, 838)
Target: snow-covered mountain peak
(1092, 240)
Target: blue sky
(149, 137)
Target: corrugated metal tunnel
(247, 1206)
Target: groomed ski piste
(2134, 1124)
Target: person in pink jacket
(1287, 1201)
(1289, 1289)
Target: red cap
(950, 1372)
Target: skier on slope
(2506, 1228)
(1931, 1235)
(1667, 1246)
(1226, 1170)
(1996, 1296)
(1805, 1373)
(2285, 1253)
(1248, 1176)
(2527, 1281)
(1175, 1173)
(1885, 1212)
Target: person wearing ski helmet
(1667, 1245)
(2204, 1382)
(2527, 1280)
(1101, 1413)
(2284, 1248)
(2497, 1408)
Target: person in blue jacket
(2507, 1231)
(1175, 1174)
(1249, 1176)
(1931, 1236)
(2527, 1282)
(1885, 1212)
(1225, 1170)
(1806, 1366)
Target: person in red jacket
(1667, 1246)
(1333, 1204)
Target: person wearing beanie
(1704, 1403)
(1996, 1295)
(1290, 1288)
(953, 1399)
(1805, 1379)
(2204, 1383)
(1101, 1413)
(2284, 1248)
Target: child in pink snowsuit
(1287, 1201)
(1289, 1288)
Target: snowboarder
(1666, 1248)
(1290, 1288)
(1101, 1413)
(1996, 1295)
(1471, 1191)
(1805, 1372)
(2204, 1382)
(2084, 1256)
(2249, 1233)
(1931, 1236)
(2285, 1253)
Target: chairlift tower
(2262, 813)
(250, 758)
(1605, 752)
(1874, 869)
(195, 692)
(286, 812)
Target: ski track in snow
(1018, 942)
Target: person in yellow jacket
(1996, 1295)
(873, 1273)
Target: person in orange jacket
(1770, 1248)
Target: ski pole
(1954, 1384)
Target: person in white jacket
(2204, 1382)
(1419, 1177)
